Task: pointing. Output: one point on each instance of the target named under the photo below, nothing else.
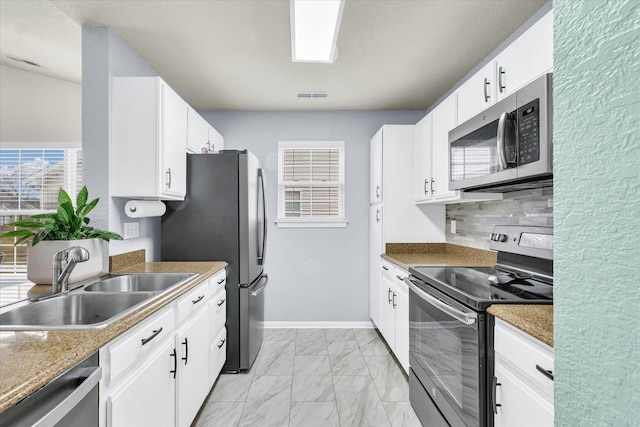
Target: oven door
(447, 354)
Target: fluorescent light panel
(314, 29)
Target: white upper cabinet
(148, 140)
(444, 119)
(375, 168)
(201, 136)
(528, 57)
(423, 133)
(477, 93)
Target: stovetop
(479, 287)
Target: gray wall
(315, 274)
(475, 221)
(104, 56)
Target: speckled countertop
(30, 359)
(407, 255)
(535, 320)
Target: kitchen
(336, 260)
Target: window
(29, 184)
(311, 184)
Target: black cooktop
(479, 287)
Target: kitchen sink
(72, 311)
(141, 282)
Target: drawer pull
(221, 281)
(221, 302)
(152, 336)
(222, 342)
(399, 277)
(545, 372)
(384, 267)
(197, 300)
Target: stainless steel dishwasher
(70, 400)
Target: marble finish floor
(314, 377)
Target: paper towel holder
(144, 208)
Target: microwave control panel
(529, 132)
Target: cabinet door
(387, 325)
(376, 248)
(375, 168)
(527, 58)
(401, 300)
(192, 346)
(444, 119)
(422, 160)
(476, 94)
(519, 405)
(197, 132)
(173, 144)
(147, 398)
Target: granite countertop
(31, 359)
(535, 320)
(441, 254)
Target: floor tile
(358, 402)
(312, 380)
(391, 383)
(339, 335)
(268, 402)
(231, 387)
(276, 358)
(281, 334)
(370, 342)
(346, 359)
(219, 414)
(401, 414)
(311, 342)
(314, 414)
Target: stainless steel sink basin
(140, 282)
(72, 311)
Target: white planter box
(40, 260)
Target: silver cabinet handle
(394, 300)
(426, 182)
(486, 93)
(389, 295)
(432, 181)
(466, 318)
(168, 177)
(377, 191)
(399, 277)
(152, 336)
(377, 215)
(501, 85)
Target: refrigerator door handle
(259, 289)
(262, 246)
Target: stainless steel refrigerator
(223, 218)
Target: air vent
(24, 61)
(309, 95)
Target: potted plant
(49, 233)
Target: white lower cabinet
(394, 312)
(159, 372)
(523, 379)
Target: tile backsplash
(475, 221)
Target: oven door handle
(466, 318)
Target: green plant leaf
(27, 224)
(89, 207)
(17, 233)
(63, 197)
(81, 200)
(63, 216)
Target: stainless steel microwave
(508, 146)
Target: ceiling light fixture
(314, 29)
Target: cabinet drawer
(218, 311)
(523, 354)
(218, 281)
(136, 344)
(193, 300)
(217, 355)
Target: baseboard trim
(322, 325)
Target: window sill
(285, 223)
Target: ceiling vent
(24, 61)
(309, 95)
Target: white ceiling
(236, 54)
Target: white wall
(317, 274)
(104, 56)
(35, 108)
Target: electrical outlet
(453, 226)
(131, 230)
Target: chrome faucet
(64, 262)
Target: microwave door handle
(502, 127)
(466, 318)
